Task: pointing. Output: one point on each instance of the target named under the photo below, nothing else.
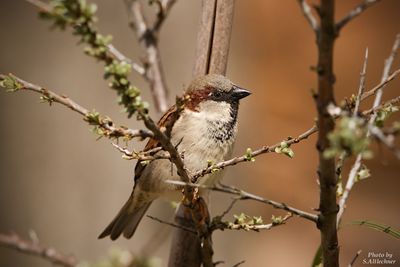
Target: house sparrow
(205, 131)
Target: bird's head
(214, 93)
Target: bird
(204, 132)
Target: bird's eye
(217, 94)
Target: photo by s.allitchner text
(380, 258)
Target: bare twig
(355, 258)
(164, 7)
(148, 39)
(355, 12)
(239, 263)
(13, 241)
(362, 84)
(306, 9)
(378, 91)
(243, 195)
(140, 156)
(388, 141)
(380, 86)
(106, 124)
(172, 224)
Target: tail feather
(126, 221)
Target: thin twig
(355, 12)
(164, 7)
(239, 263)
(378, 91)
(229, 208)
(14, 241)
(381, 106)
(140, 156)
(255, 153)
(380, 86)
(355, 258)
(388, 141)
(248, 227)
(306, 9)
(172, 224)
(149, 39)
(105, 124)
(243, 195)
(362, 84)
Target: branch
(15, 242)
(243, 195)
(141, 156)
(354, 13)
(361, 87)
(378, 91)
(355, 258)
(219, 225)
(148, 38)
(386, 140)
(164, 7)
(173, 224)
(380, 86)
(306, 9)
(104, 124)
(114, 53)
(260, 151)
(326, 124)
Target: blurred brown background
(59, 181)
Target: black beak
(239, 93)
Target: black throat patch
(222, 131)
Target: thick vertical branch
(205, 38)
(221, 37)
(326, 170)
(188, 250)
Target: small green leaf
(257, 220)
(10, 83)
(363, 173)
(285, 149)
(276, 219)
(249, 155)
(349, 136)
(241, 218)
(93, 117)
(383, 114)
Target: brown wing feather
(152, 143)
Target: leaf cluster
(80, 15)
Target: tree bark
(326, 171)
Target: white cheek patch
(215, 111)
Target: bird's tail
(126, 221)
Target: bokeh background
(57, 180)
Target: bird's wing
(165, 120)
